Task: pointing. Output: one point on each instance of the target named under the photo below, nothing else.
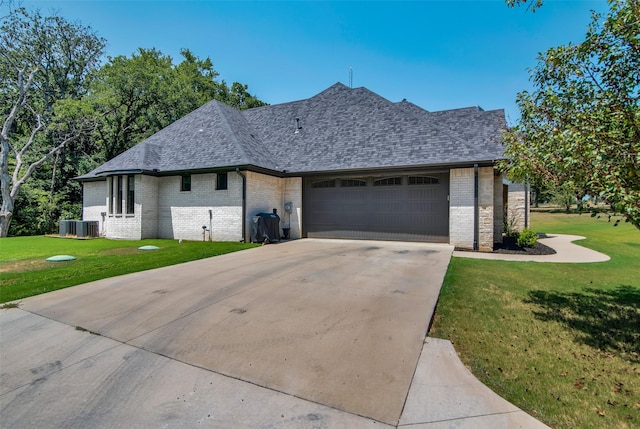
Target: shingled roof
(338, 129)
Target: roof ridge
(470, 109)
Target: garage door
(395, 207)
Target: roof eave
(407, 168)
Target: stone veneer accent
(498, 208)
(461, 207)
(516, 205)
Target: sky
(437, 54)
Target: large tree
(141, 94)
(581, 123)
(44, 63)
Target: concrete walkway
(566, 252)
(311, 333)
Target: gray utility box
(79, 228)
(67, 227)
(87, 228)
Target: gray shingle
(340, 129)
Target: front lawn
(560, 341)
(24, 271)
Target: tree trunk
(6, 214)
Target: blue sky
(437, 54)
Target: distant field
(560, 341)
(24, 271)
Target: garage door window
(324, 184)
(352, 183)
(388, 181)
(423, 180)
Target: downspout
(476, 209)
(526, 205)
(244, 204)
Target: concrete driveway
(309, 333)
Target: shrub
(527, 238)
(511, 225)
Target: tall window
(221, 181)
(111, 193)
(185, 183)
(131, 190)
(119, 196)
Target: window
(119, 196)
(131, 190)
(324, 184)
(185, 184)
(221, 181)
(352, 183)
(423, 180)
(388, 181)
(111, 194)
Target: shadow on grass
(605, 319)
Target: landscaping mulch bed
(509, 246)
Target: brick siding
(182, 214)
(461, 207)
(265, 193)
(94, 202)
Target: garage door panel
(396, 212)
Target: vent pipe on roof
(298, 127)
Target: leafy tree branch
(581, 123)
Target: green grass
(24, 271)
(560, 341)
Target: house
(345, 163)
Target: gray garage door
(395, 207)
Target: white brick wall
(147, 204)
(94, 202)
(181, 214)
(124, 225)
(162, 210)
(293, 194)
(265, 193)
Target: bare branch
(19, 154)
(21, 101)
(17, 183)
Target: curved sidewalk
(445, 394)
(566, 252)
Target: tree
(582, 121)
(44, 63)
(141, 94)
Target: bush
(527, 238)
